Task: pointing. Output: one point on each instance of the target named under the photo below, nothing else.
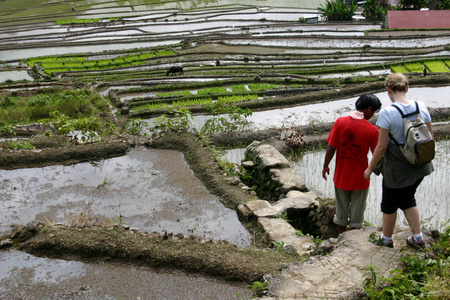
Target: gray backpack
(419, 147)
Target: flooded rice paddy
(148, 189)
(432, 195)
(26, 277)
(327, 112)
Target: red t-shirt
(352, 138)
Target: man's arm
(328, 157)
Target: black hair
(366, 100)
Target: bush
(412, 4)
(337, 10)
(373, 11)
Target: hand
(325, 171)
(367, 173)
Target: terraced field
(124, 51)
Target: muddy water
(23, 276)
(149, 189)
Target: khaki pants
(350, 207)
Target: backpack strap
(410, 114)
(404, 116)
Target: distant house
(401, 19)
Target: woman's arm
(430, 128)
(383, 139)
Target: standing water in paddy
(431, 195)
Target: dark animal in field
(174, 70)
(217, 63)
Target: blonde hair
(397, 82)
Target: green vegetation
(262, 86)
(424, 276)
(74, 104)
(399, 68)
(82, 21)
(374, 11)
(225, 118)
(55, 64)
(338, 10)
(437, 66)
(414, 67)
(179, 120)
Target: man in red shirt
(351, 138)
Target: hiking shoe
(389, 244)
(380, 241)
(415, 244)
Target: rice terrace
(142, 142)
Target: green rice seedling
(239, 88)
(52, 65)
(437, 66)
(398, 68)
(262, 86)
(63, 59)
(414, 67)
(150, 106)
(119, 60)
(177, 93)
(79, 58)
(237, 98)
(73, 65)
(199, 101)
(147, 55)
(216, 90)
(164, 53)
(90, 64)
(132, 58)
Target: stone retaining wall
(287, 195)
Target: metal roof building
(400, 19)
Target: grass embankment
(219, 259)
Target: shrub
(373, 11)
(412, 4)
(337, 10)
(422, 277)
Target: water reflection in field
(24, 276)
(327, 112)
(141, 188)
(432, 194)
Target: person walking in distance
(400, 177)
(350, 139)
